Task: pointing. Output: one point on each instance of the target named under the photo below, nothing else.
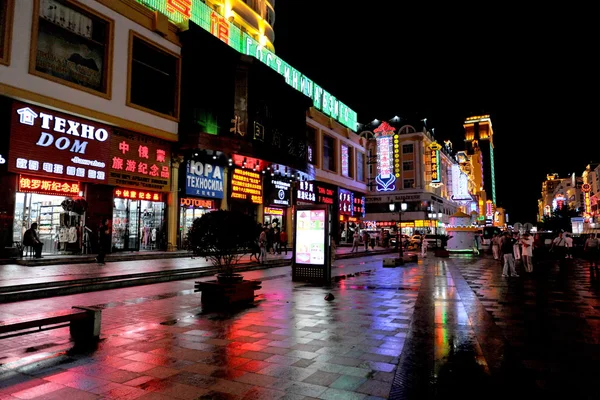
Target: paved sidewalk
(13, 274)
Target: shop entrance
(137, 225)
(189, 210)
(274, 217)
(60, 231)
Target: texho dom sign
(48, 143)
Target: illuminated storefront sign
(434, 154)
(56, 145)
(586, 188)
(359, 206)
(346, 202)
(277, 192)
(385, 178)
(32, 184)
(489, 209)
(204, 179)
(310, 237)
(325, 195)
(345, 156)
(246, 185)
(197, 203)
(274, 211)
(180, 11)
(559, 201)
(306, 192)
(139, 161)
(123, 193)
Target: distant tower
(479, 138)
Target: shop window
(409, 183)
(153, 77)
(408, 148)
(138, 225)
(408, 166)
(329, 153)
(71, 45)
(346, 161)
(360, 166)
(6, 12)
(311, 145)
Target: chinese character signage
(277, 192)
(346, 201)
(460, 184)
(436, 178)
(385, 178)
(586, 188)
(204, 180)
(246, 185)
(124, 193)
(33, 184)
(345, 161)
(56, 145)
(306, 192)
(139, 161)
(359, 206)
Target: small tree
(223, 237)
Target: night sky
(530, 69)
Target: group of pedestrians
(512, 247)
(270, 240)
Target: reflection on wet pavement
(440, 328)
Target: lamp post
(403, 207)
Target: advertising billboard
(204, 180)
(311, 248)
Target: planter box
(219, 295)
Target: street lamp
(403, 207)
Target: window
(6, 11)
(360, 166)
(311, 145)
(408, 166)
(409, 183)
(153, 77)
(71, 44)
(347, 167)
(328, 153)
(270, 16)
(407, 149)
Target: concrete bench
(83, 323)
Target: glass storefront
(138, 224)
(59, 230)
(189, 210)
(274, 217)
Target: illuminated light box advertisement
(32, 184)
(310, 237)
(246, 185)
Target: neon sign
(274, 211)
(385, 178)
(246, 185)
(137, 194)
(345, 157)
(180, 11)
(197, 203)
(586, 188)
(436, 178)
(31, 184)
(489, 209)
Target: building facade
(407, 165)
(88, 137)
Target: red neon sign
(137, 194)
(184, 7)
(31, 184)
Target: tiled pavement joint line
(413, 376)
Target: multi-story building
(550, 197)
(90, 107)
(591, 189)
(407, 165)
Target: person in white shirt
(568, 246)
(424, 245)
(558, 245)
(517, 246)
(527, 251)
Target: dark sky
(533, 70)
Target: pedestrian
(366, 239)
(262, 243)
(104, 241)
(591, 250)
(355, 242)
(558, 245)
(496, 241)
(568, 246)
(527, 252)
(31, 239)
(283, 239)
(276, 241)
(424, 245)
(517, 246)
(507, 253)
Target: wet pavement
(439, 328)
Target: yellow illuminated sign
(246, 185)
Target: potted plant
(442, 251)
(223, 237)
